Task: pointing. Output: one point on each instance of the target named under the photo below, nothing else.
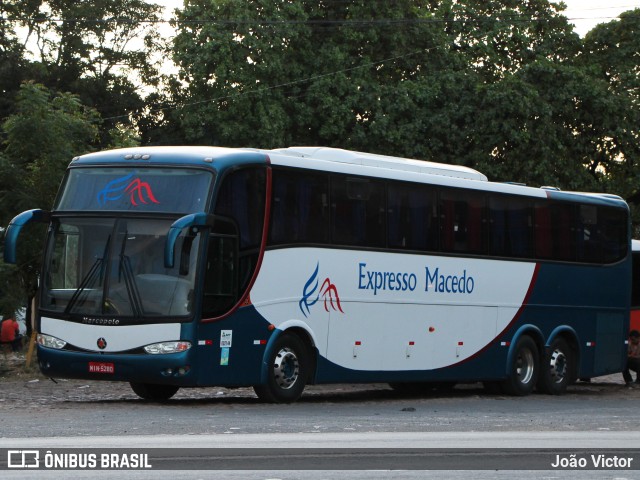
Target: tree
(14, 67)
(611, 55)
(101, 50)
(277, 73)
(485, 84)
(46, 132)
(499, 37)
(543, 126)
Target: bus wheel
(153, 392)
(523, 371)
(557, 368)
(288, 371)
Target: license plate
(101, 367)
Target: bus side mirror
(188, 221)
(15, 227)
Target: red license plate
(101, 367)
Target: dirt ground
(17, 378)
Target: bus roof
(327, 159)
(380, 161)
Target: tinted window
(299, 208)
(462, 221)
(555, 231)
(411, 217)
(602, 234)
(510, 227)
(357, 212)
(319, 208)
(241, 198)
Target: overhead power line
(312, 22)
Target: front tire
(558, 368)
(154, 392)
(524, 368)
(288, 371)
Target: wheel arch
(302, 331)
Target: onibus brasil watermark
(34, 459)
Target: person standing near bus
(10, 333)
(633, 358)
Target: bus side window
(510, 227)
(613, 221)
(221, 271)
(463, 221)
(241, 199)
(411, 224)
(543, 238)
(589, 240)
(299, 208)
(358, 212)
(563, 228)
(556, 231)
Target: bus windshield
(115, 267)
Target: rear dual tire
(558, 368)
(550, 372)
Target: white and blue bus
(171, 267)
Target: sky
(586, 14)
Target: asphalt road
(409, 435)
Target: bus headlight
(167, 347)
(50, 342)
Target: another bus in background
(635, 291)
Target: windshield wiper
(129, 280)
(89, 278)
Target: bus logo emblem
(138, 191)
(312, 292)
(102, 343)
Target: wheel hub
(525, 367)
(286, 368)
(558, 366)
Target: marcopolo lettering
(392, 281)
(440, 283)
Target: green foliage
(123, 137)
(47, 130)
(43, 135)
(611, 56)
(281, 73)
(547, 124)
(505, 86)
(103, 51)
(499, 37)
